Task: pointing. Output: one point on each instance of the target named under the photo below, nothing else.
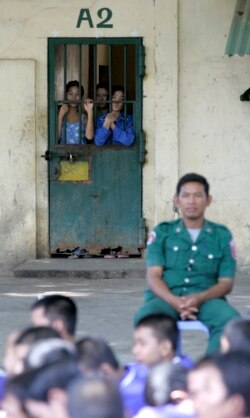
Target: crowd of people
(191, 265)
(110, 125)
(48, 373)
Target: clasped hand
(110, 119)
(187, 306)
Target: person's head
(94, 397)
(74, 93)
(192, 196)
(95, 355)
(102, 96)
(42, 391)
(16, 391)
(166, 383)
(57, 311)
(192, 178)
(236, 335)
(220, 386)
(49, 351)
(155, 339)
(117, 98)
(26, 339)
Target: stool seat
(190, 325)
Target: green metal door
(95, 193)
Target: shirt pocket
(209, 260)
(176, 253)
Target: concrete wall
(213, 122)
(18, 186)
(192, 115)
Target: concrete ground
(106, 306)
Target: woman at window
(74, 128)
(113, 127)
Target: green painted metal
(238, 41)
(106, 210)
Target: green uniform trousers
(214, 313)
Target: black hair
(237, 331)
(164, 327)
(94, 397)
(234, 367)
(74, 83)
(49, 352)
(93, 352)
(117, 88)
(32, 334)
(192, 178)
(19, 385)
(36, 383)
(163, 379)
(104, 85)
(59, 307)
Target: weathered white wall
(192, 116)
(165, 137)
(17, 166)
(213, 122)
(24, 29)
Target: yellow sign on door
(78, 171)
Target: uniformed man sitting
(191, 264)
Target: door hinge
(142, 66)
(142, 233)
(142, 147)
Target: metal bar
(60, 102)
(94, 69)
(110, 76)
(80, 84)
(99, 41)
(64, 69)
(140, 70)
(125, 53)
(64, 83)
(94, 74)
(51, 95)
(56, 121)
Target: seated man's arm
(157, 285)
(222, 288)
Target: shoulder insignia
(152, 238)
(233, 249)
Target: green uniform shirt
(191, 267)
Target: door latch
(47, 156)
(72, 158)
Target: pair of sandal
(119, 254)
(79, 253)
